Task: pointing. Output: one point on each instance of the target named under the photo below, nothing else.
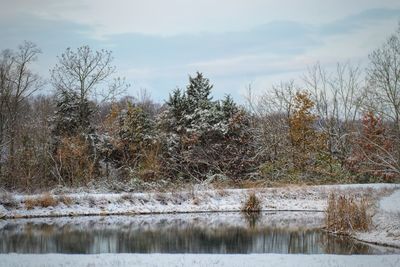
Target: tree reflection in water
(172, 236)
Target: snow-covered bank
(386, 222)
(386, 228)
(117, 260)
(294, 198)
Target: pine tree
(177, 104)
(72, 115)
(198, 92)
(135, 126)
(204, 137)
(228, 107)
(185, 108)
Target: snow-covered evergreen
(203, 136)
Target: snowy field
(153, 260)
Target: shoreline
(207, 200)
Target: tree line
(340, 126)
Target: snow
(386, 222)
(282, 220)
(391, 203)
(116, 260)
(207, 199)
(294, 198)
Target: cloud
(157, 44)
(166, 18)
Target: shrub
(75, 164)
(65, 199)
(45, 200)
(8, 201)
(253, 204)
(345, 214)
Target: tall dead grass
(345, 214)
(44, 201)
(252, 204)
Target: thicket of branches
(339, 126)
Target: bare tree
(270, 122)
(384, 79)
(384, 85)
(145, 102)
(17, 83)
(82, 71)
(5, 97)
(86, 74)
(337, 98)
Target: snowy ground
(386, 222)
(294, 198)
(116, 260)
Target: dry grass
(222, 192)
(252, 204)
(44, 201)
(346, 214)
(8, 201)
(65, 199)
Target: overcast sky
(158, 43)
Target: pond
(222, 233)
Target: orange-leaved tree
(306, 141)
(374, 152)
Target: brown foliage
(45, 200)
(302, 133)
(374, 151)
(133, 148)
(345, 214)
(74, 161)
(252, 204)
(65, 199)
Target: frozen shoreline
(386, 220)
(148, 260)
(386, 223)
(294, 198)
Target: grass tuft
(252, 204)
(8, 201)
(346, 214)
(44, 201)
(65, 199)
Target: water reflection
(201, 233)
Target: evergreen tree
(198, 92)
(228, 107)
(135, 126)
(177, 104)
(72, 115)
(204, 137)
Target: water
(231, 233)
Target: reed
(252, 204)
(345, 214)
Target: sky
(157, 44)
